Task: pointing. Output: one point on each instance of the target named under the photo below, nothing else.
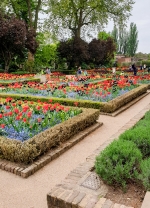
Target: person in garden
(48, 72)
(144, 66)
(42, 71)
(79, 70)
(134, 69)
(85, 72)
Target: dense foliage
(81, 17)
(128, 157)
(76, 51)
(119, 162)
(101, 51)
(126, 41)
(15, 38)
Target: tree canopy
(74, 51)
(27, 10)
(77, 15)
(102, 51)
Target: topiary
(118, 163)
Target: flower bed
(106, 107)
(29, 150)
(6, 76)
(101, 91)
(24, 119)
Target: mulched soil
(133, 197)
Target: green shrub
(140, 135)
(146, 62)
(1, 70)
(118, 163)
(126, 64)
(144, 176)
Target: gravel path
(17, 192)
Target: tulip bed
(22, 120)
(12, 77)
(101, 90)
(33, 119)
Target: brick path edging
(28, 170)
(69, 194)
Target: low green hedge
(120, 101)
(28, 151)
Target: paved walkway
(17, 192)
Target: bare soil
(132, 197)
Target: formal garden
(31, 109)
(60, 71)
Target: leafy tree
(27, 10)
(74, 50)
(132, 40)
(102, 51)
(115, 35)
(15, 38)
(120, 36)
(77, 15)
(46, 55)
(104, 35)
(126, 41)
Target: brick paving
(63, 176)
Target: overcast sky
(140, 17)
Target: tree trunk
(6, 68)
(30, 56)
(7, 60)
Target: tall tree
(14, 39)
(132, 40)
(76, 15)
(120, 36)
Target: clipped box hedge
(26, 152)
(106, 107)
(122, 100)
